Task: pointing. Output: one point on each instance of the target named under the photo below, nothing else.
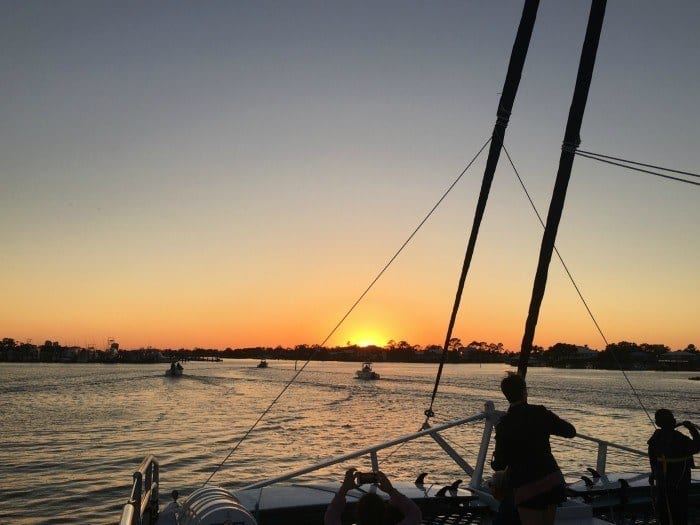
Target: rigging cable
(578, 291)
(386, 266)
(680, 172)
(607, 159)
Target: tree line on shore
(624, 354)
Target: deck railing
(489, 415)
(142, 507)
(603, 451)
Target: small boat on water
(175, 369)
(366, 373)
(262, 363)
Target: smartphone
(364, 478)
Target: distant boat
(262, 363)
(366, 372)
(175, 370)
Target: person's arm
(498, 460)
(652, 459)
(407, 507)
(337, 504)
(559, 426)
(695, 446)
(411, 512)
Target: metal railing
(490, 415)
(603, 451)
(142, 507)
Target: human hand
(349, 481)
(383, 482)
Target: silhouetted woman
(522, 446)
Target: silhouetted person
(671, 458)
(371, 508)
(522, 446)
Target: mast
(566, 161)
(505, 105)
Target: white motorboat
(366, 373)
(175, 369)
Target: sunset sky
(229, 174)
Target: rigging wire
(578, 291)
(678, 179)
(349, 311)
(680, 172)
(410, 237)
(478, 215)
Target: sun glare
(367, 338)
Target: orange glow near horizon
(152, 203)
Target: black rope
(578, 291)
(599, 159)
(335, 328)
(680, 172)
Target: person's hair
(664, 418)
(513, 387)
(370, 509)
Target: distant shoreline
(625, 355)
(379, 361)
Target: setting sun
(368, 338)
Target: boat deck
(307, 504)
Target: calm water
(71, 435)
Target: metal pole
(491, 415)
(505, 105)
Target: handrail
(613, 445)
(142, 507)
(372, 450)
(489, 414)
(603, 445)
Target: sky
(231, 174)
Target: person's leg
(543, 516)
(549, 515)
(678, 502)
(663, 509)
(507, 513)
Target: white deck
(299, 496)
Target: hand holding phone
(364, 478)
